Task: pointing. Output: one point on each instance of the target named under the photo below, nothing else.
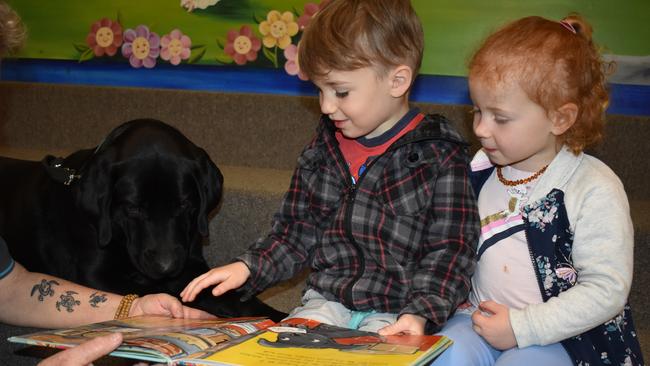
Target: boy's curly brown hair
(346, 35)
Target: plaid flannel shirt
(402, 240)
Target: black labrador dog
(127, 217)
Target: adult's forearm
(40, 300)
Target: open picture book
(247, 341)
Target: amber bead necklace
(511, 183)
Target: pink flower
(105, 37)
(242, 46)
(141, 46)
(175, 47)
(310, 10)
(291, 66)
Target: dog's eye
(185, 205)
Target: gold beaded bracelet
(124, 308)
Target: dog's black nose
(166, 267)
(161, 265)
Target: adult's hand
(85, 353)
(164, 304)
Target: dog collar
(58, 172)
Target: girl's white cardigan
(603, 248)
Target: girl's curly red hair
(554, 66)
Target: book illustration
(248, 341)
(152, 338)
(305, 334)
(303, 342)
(319, 336)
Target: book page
(153, 338)
(314, 344)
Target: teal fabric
(356, 317)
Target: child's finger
(478, 318)
(489, 306)
(390, 330)
(222, 288)
(188, 288)
(196, 288)
(185, 294)
(189, 292)
(478, 330)
(219, 278)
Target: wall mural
(148, 33)
(273, 39)
(265, 33)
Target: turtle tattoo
(45, 288)
(67, 301)
(96, 299)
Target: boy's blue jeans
(469, 348)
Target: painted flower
(242, 45)
(310, 10)
(278, 29)
(291, 66)
(197, 4)
(175, 47)
(141, 46)
(105, 37)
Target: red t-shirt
(359, 152)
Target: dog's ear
(209, 181)
(94, 193)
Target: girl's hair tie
(568, 26)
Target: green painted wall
(453, 28)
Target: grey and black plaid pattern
(403, 240)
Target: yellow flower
(278, 29)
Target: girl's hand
(406, 324)
(226, 278)
(492, 322)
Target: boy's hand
(410, 324)
(227, 277)
(492, 322)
